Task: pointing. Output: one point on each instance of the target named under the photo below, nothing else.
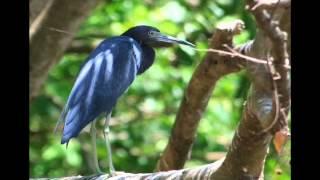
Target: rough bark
(202, 172)
(47, 46)
(195, 101)
(259, 120)
(36, 7)
(278, 51)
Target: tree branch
(46, 46)
(196, 98)
(202, 172)
(36, 7)
(260, 109)
(278, 53)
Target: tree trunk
(47, 46)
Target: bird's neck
(148, 56)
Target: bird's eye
(151, 33)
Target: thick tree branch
(246, 156)
(36, 7)
(260, 109)
(278, 53)
(196, 98)
(201, 172)
(47, 46)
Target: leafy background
(143, 117)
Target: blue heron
(105, 76)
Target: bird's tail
(61, 119)
(61, 122)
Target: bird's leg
(93, 133)
(106, 137)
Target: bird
(104, 76)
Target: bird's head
(151, 36)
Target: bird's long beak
(165, 40)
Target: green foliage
(144, 116)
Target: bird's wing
(105, 76)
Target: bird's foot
(115, 173)
(112, 171)
(99, 172)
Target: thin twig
(60, 31)
(248, 58)
(244, 56)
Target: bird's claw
(115, 173)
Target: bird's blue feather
(105, 76)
